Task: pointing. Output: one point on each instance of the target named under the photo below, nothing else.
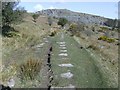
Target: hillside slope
(77, 17)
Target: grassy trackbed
(86, 73)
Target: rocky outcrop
(77, 17)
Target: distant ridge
(77, 17)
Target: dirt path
(72, 65)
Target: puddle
(63, 54)
(67, 75)
(65, 65)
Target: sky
(105, 9)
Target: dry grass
(28, 35)
(30, 69)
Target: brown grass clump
(30, 69)
(93, 47)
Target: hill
(78, 17)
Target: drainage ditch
(50, 72)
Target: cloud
(51, 7)
(38, 7)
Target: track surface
(80, 70)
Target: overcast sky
(105, 9)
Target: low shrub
(52, 33)
(104, 38)
(30, 69)
(104, 28)
(110, 40)
(92, 47)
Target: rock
(63, 51)
(11, 83)
(63, 54)
(63, 47)
(61, 42)
(40, 45)
(67, 75)
(70, 86)
(65, 65)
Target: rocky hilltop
(77, 17)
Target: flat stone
(65, 65)
(63, 54)
(67, 75)
(62, 45)
(40, 45)
(46, 41)
(65, 58)
(70, 86)
(63, 51)
(61, 42)
(11, 83)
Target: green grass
(86, 73)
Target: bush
(75, 29)
(62, 21)
(104, 38)
(50, 21)
(93, 47)
(104, 28)
(30, 69)
(52, 33)
(35, 16)
(110, 40)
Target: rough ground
(85, 72)
(71, 65)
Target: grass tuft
(30, 69)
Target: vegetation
(112, 23)
(50, 21)
(35, 16)
(104, 38)
(75, 29)
(62, 22)
(10, 15)
(52, 33)
(30, 69)
(93, 47)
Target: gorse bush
(104, 38)
(30, 69)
